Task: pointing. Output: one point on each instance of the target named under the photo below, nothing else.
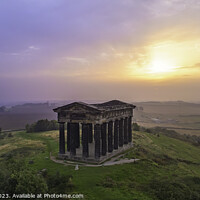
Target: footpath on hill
(113, 161)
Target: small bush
(148, 130)
(59, 183)
(109, 183)
(10, 135)
(136, 127)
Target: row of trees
(42, 125)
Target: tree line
(42, 125)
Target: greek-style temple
(95, 132)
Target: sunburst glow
(166, 60)
(161, 66)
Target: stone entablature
(107, 125)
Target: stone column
(73, 129)
(103, 137)
(61, 137)
(85, 130)
(116, 134)
(121, 132)
(130, 129)
(110, 136)
(97, 135)
(126, 130)
(90, 136)
(77, 134)
(68, 137)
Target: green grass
(164, 162)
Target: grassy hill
(168, 168)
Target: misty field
(18, 116)
(180, 116)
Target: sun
(160, 66)
(165, 60)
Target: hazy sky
(135, 50)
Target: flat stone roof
(110, 105)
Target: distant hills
(17, 116)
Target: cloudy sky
(133, 50)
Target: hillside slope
(168, 168)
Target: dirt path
(113, 161)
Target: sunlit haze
(133, 50)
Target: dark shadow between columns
(85, 131)
(97, 136)
(90, 136)
(121, 132)
(68, 137)
(110, 136)
(130, 129)
(116, 134)
(73, 129)
(126, 130)
(103, 138)
(77, 135)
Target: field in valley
(180, 116)
(18, 116)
